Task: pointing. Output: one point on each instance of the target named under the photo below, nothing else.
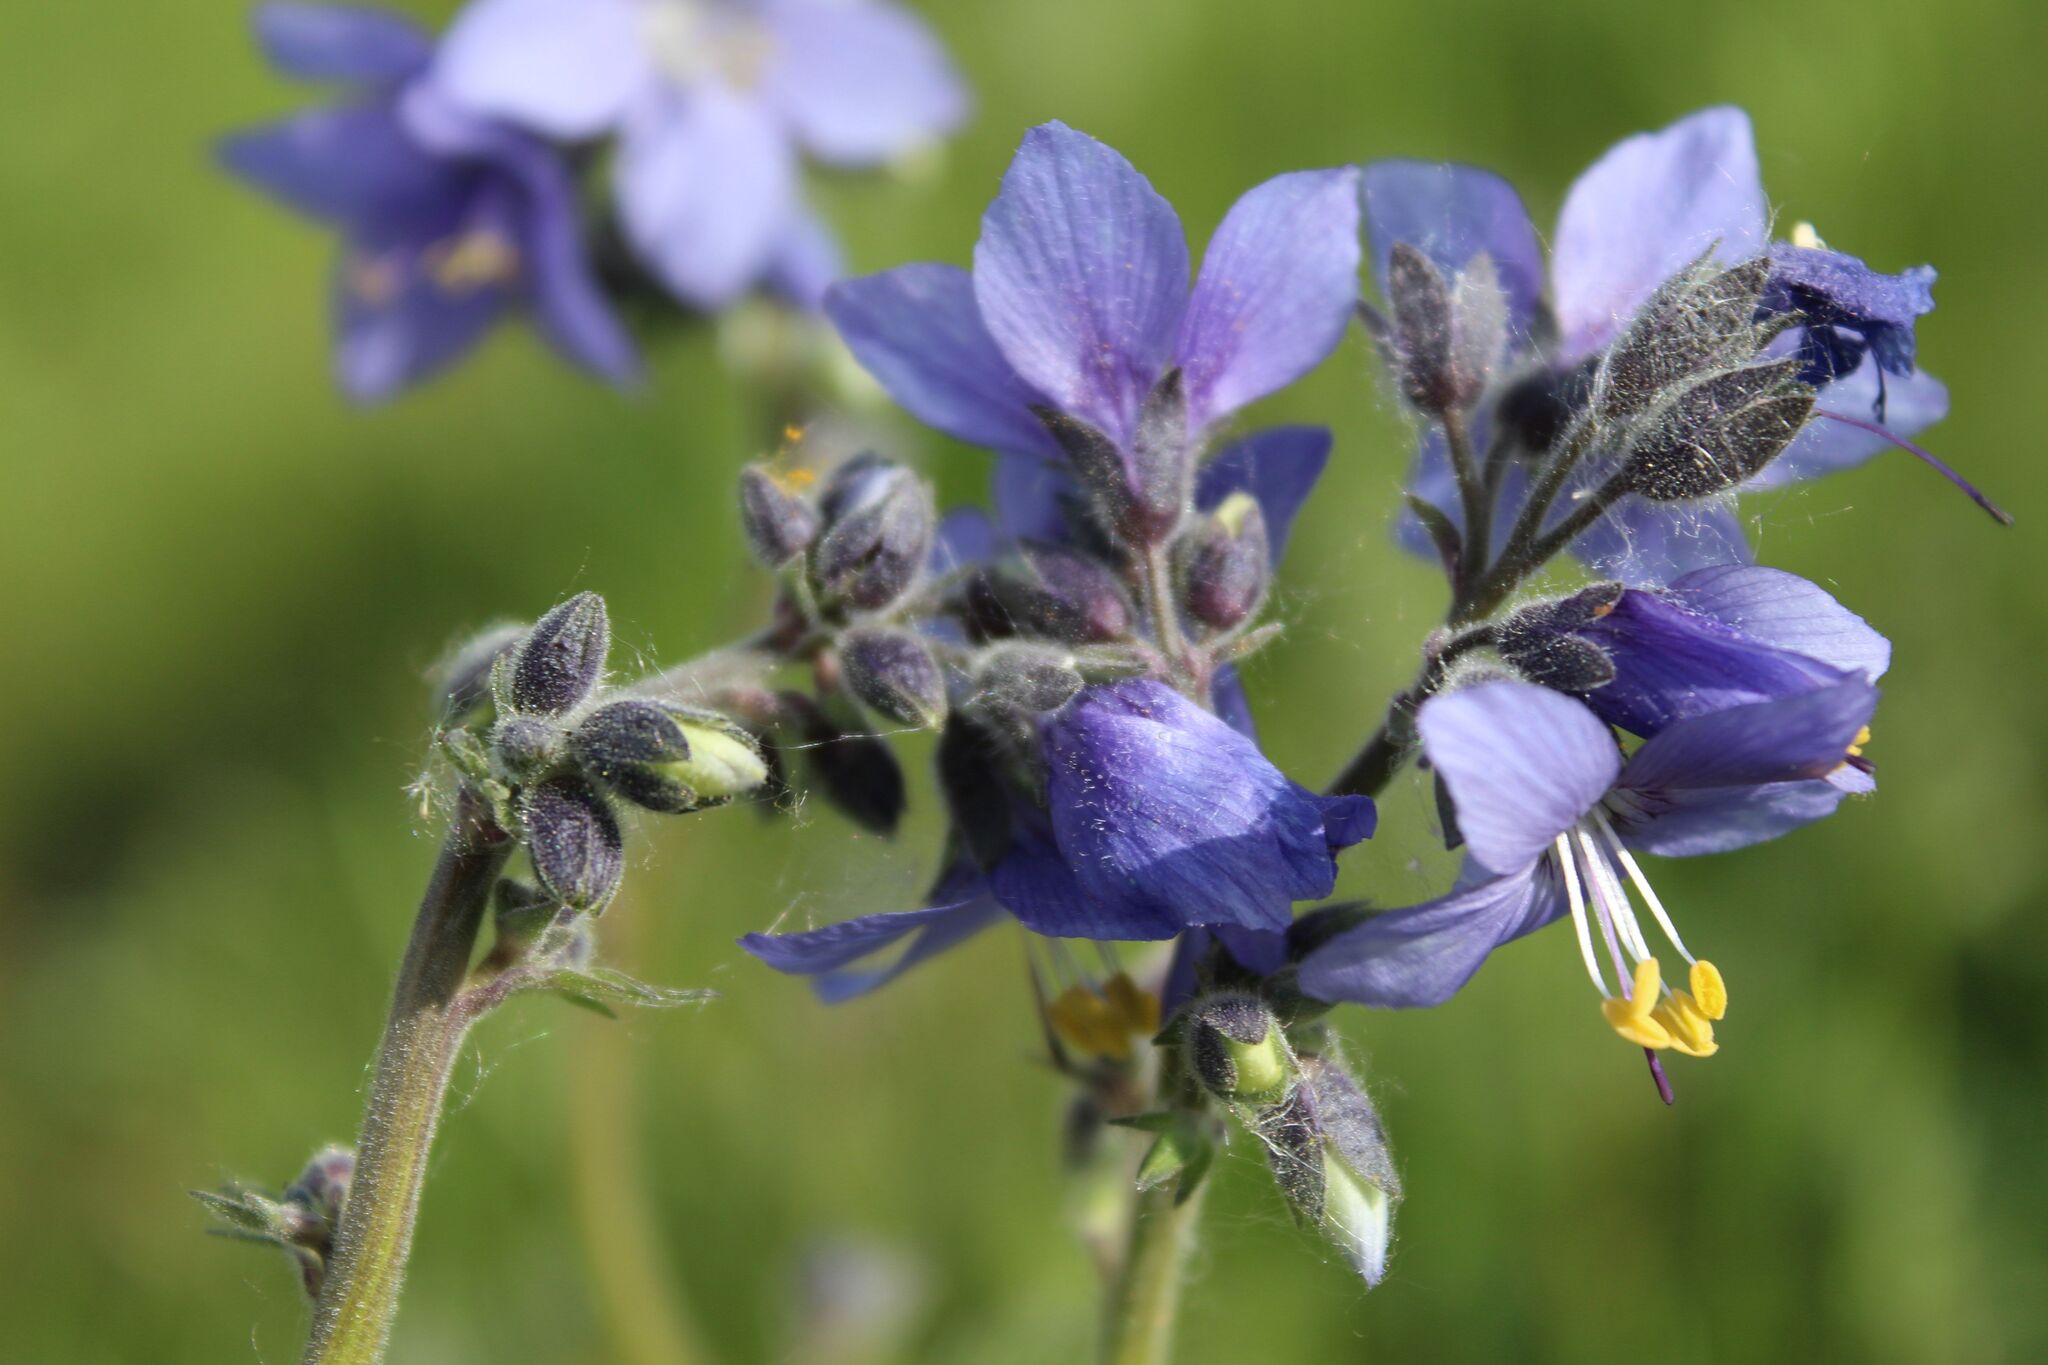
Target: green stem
(1146, 1297)
(359, 1296)
(1158, 576)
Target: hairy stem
(359, 1298)
(1158, 574)
(1391, 746)
(1145, 1299)
(1473, 497)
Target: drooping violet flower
(712, 101)
(1654, 204)
(1079, 309)
(447, 222)
(1552, 817)
(1158, 816)
(1710, 639)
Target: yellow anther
(1634, 1018)
(792, 433)
(1862, 738)
(1136, 1009)
(472, 261)
(1086, 1020)
(1709, 991)
(794, 479)
(1803, 235)
(1690, 1032)
(1637, 1027)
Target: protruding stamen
(1612, 898)
(1642, 884)
(1577, 900)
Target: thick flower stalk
(540, 752)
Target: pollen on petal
(1709, 991)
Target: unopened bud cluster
(1322, 1136)
(554, 751)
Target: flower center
(473, 260)
(699, 40)
(1641, 1008)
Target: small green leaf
(602, 987)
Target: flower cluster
(456, 171)
(1076, 648)
(529, 725)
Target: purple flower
(1652, 205)
(1714, 638)
(1552, 817)
(1079, 304)
(712, 101)
(1158, 816)
(446, 221)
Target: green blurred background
(222, 586)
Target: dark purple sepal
(573, 838)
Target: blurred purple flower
(1079, 301)
(1552, 817)
(712, 101)
(446, 221)
(1653, 204)
(1158, 817)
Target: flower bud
(667, 757)
(779, 521)
(463, 682)
(1238, 1050)
(1538, 641)
(1024, 677)
(1720, 432)
(1446, 336)
(323, 1185)
(1055, 592)
(856, 773)
(561, 659)
(1227, 564)
(879, 523)
(1360, 1185)
(574, 841)
(1162, 458)
(894, 673)
(1142, 498)
(1701, 319)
